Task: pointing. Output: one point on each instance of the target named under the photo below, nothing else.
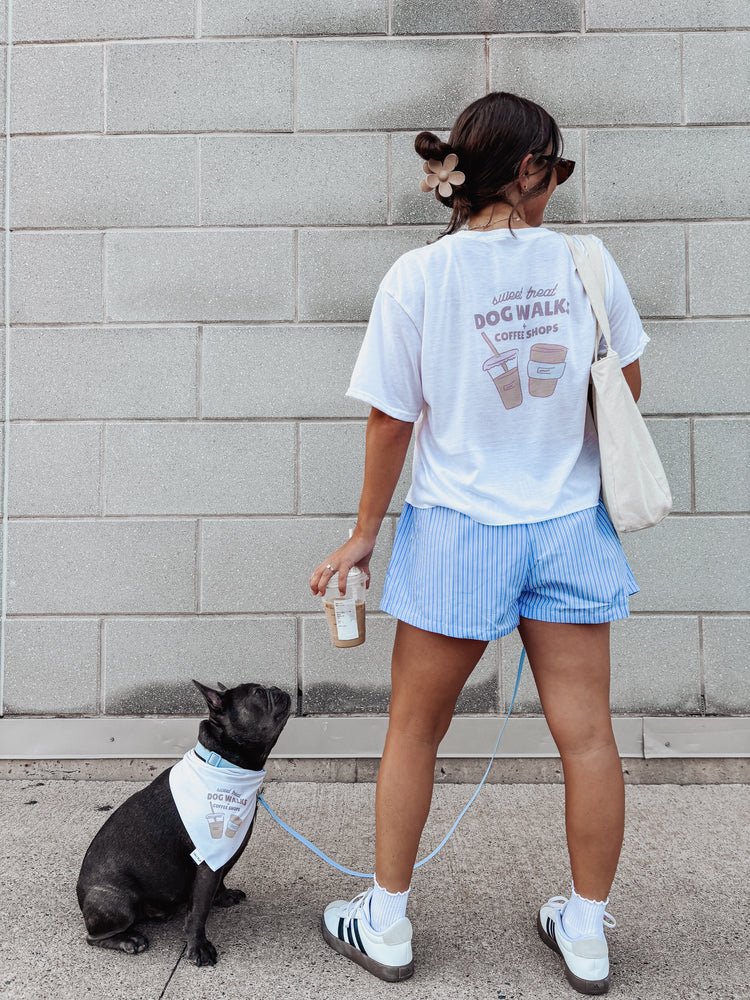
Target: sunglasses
(563, 168)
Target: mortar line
(297, 477)
(702, 665)
(688, 303)
(199, 372)
(295, 273)
(691, 454)
(198, 180)
(101, 686)
(298, 639)
(102, 454)
(105, 285)
(389, 179)
(487, 81)
(389, 17)
(105, 53)
(198, 564)
(295, 87)
(6, 372)
(584, 188)
(584, 19)
(683, 116)
(198, 18)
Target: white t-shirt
(486, 340)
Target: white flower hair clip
(442, 176)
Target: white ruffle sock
(583, 917)
(386, 907)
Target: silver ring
(328, 566)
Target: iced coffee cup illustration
(216, 825)
(503, 370)
(233, 824)
(546, 366)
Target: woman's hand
(356, 552)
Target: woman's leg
(428, 671)
(570, 664)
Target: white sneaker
(586, 959)
(387, 955)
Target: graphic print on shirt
(546, 362)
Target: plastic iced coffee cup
(346, 615)
(503, 370)
(216, 825)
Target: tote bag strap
(590, 267)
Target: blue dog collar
(212, 758)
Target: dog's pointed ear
(214, 699)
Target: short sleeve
(629, 338)
(387, 374)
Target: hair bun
(429, 147)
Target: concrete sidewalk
(679, 899)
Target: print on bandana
(546, 362)
(216, 806)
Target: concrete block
(717, 76)
(277, 371)
(318, 179)
(411, 205)
(53, 468)
(655, 667)
(264, 564)
(148, 663)
(290, 17)
(96, 182)
(718, 269)
(57, 88)
(389, 84)
(683, 372)
(725, 665)
(95, 373)
(722, 464)
(357, 679)
(211, 86)
(51, 667)
(671, 436)
(413, 17)
(691, 564)
(332, 463)
(652, 261)
(199, 468)
(615, 191)
(642, 74)
(340, 270)
(202, 276)
(79, 19)
(56, 277)
(101, 567)
(610, 14)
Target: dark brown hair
(491, 137)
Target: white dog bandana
(216, 806)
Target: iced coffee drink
(216, 825)
(503, 370)
(346, 615)
(546, 365)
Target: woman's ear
(523, 176)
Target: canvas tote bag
(634, 487)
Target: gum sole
(591, 987)
(390, 973)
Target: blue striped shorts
(451, 574)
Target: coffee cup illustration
(503, 370)
(216, 825)
(233, 824)
(545, 368)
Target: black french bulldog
(138, 866)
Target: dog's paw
(229, 897)
(203, 953)
(133, 943)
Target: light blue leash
(446, 838)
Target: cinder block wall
(203, 199)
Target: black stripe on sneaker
(359, 939)
(350, 935)
(341, 929)
(551, 927)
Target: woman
(503, 526)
